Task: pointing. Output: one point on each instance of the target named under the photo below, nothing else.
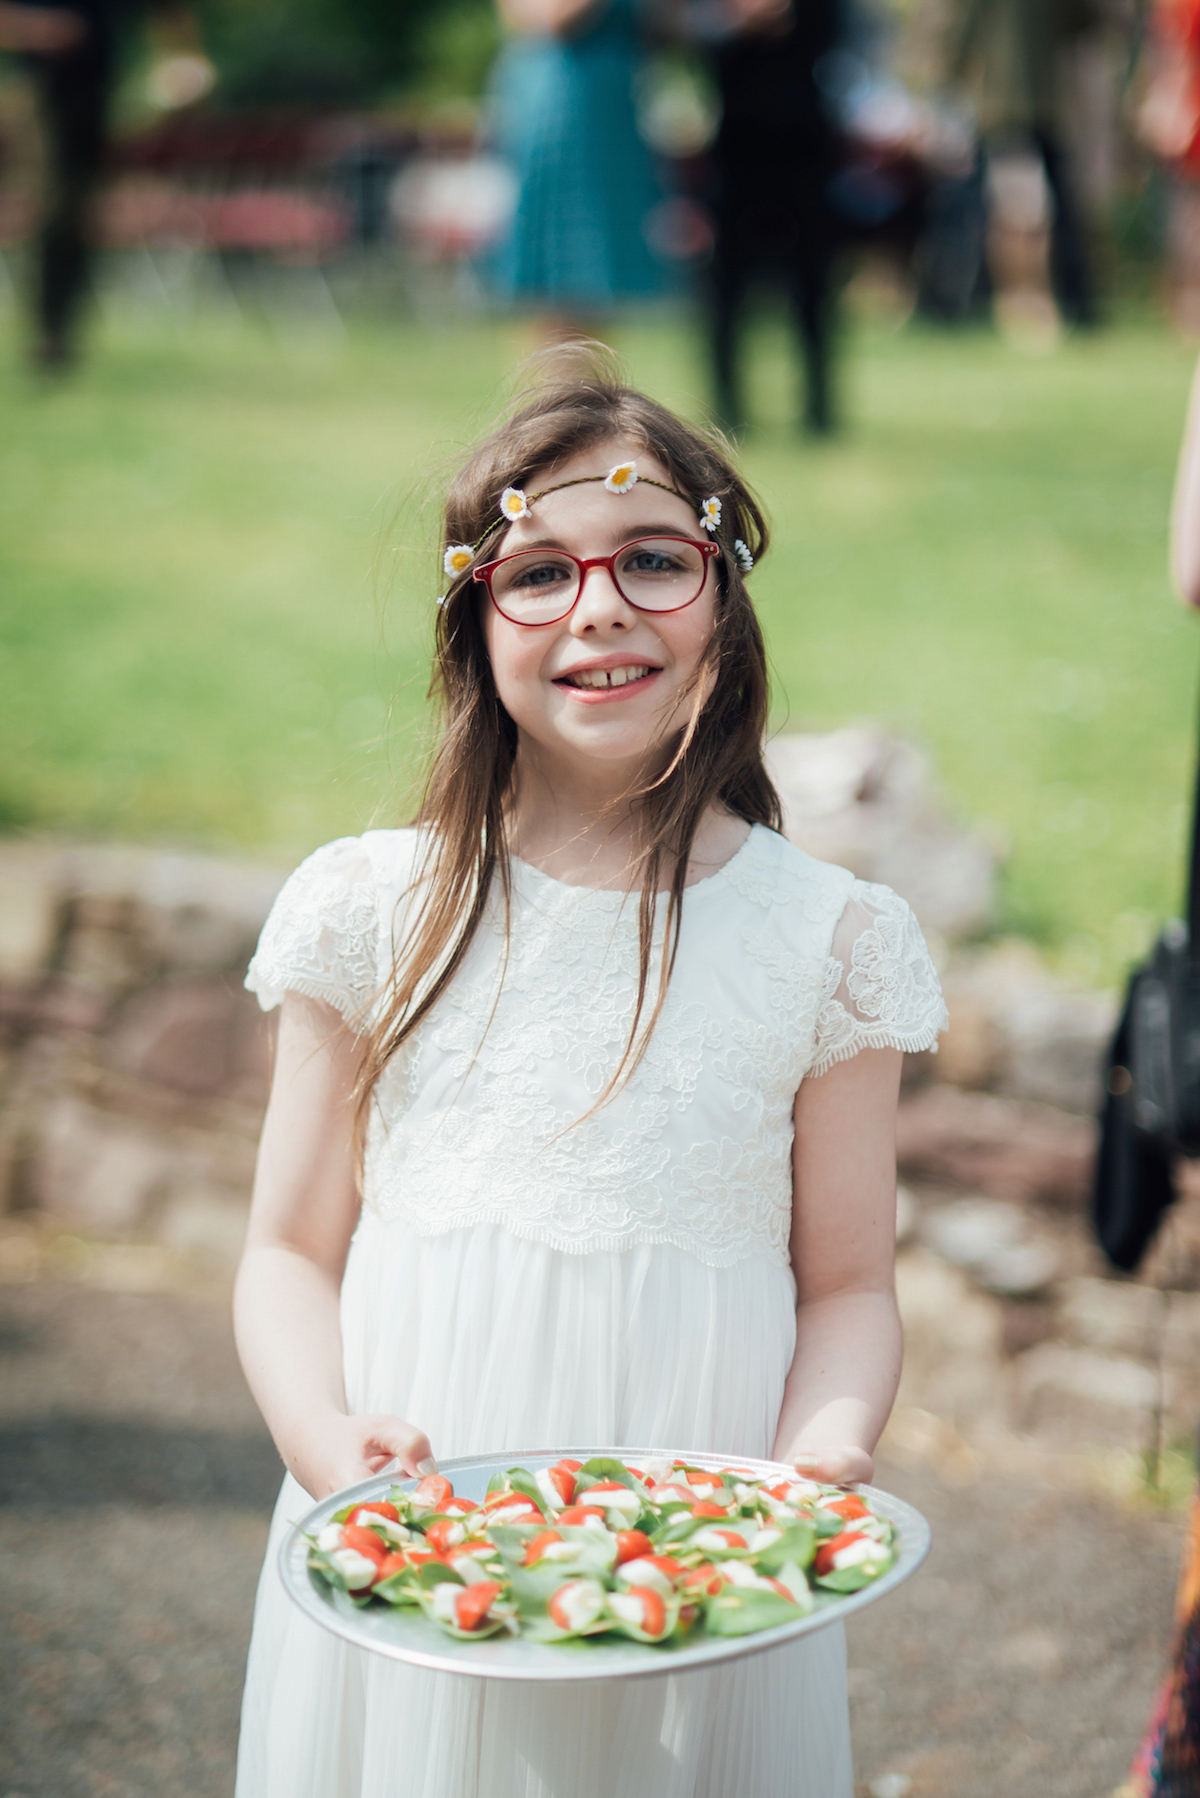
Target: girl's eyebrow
(634, 532)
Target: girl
(625, 1064)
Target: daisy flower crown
(515, 503)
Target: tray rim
(631, 1660)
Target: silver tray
(404, 1635)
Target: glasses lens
(660, 574)
(535, 588)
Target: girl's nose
(601, 603)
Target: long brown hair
(717, 759)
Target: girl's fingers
(835, 1466)
(394, 1440)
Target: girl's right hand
(344, 1450)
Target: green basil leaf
(522, 1481)
(742, 1611)
(603, 1467)
(798, 1543)
(851, 1579)
(435, 1573)
(397, 1589)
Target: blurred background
(265, 266)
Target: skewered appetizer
(647, 1550)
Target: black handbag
(1151, 1111)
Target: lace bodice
(785, 966)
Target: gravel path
(135, 1485)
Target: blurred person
(1167, 1763)
(1168, 123)
(69, 52)
(775, 156)
(1008, 55)
(564, 118)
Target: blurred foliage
(191, 648)
(346, 52)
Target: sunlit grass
(203, 623)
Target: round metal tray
(406, 1635)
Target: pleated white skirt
(491, 1343)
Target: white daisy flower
(744, 558)
(513, 504)
(457, 559)
(710, 514)
(621, 478)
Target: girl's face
(546, 674)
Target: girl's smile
(601, 680)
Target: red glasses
(654, 574)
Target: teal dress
(564, 119)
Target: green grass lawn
(207, 633)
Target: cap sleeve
(321, 937)
(880, 988)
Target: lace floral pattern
(879, 987)
(322, 936)
(498, 1110)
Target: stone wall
(133, 1066)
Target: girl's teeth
(608, 677)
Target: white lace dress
(517, 1284)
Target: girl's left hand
(834, 1466)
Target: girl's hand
(345, 1450)
(834, 1466)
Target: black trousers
(73, 95)
(768, 232)
(1070, 261)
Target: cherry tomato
(827, 1550)
(537, 1546)
(382, 1507)
(577, 1514)
(396, 1562)
(421, 1557)
(654, 1611)
(563, 1481)
(444, 1534)
(571, 1466)
(705, 1509)
(848, 1507)
(473, 1603)
(356, 1535)
(433, 1491)
(704, 1578)
(730, 1538)
(632, 1545)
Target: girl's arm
(1185, 507)
(844, 1373)
(302, 1216)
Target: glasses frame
(585, 564)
